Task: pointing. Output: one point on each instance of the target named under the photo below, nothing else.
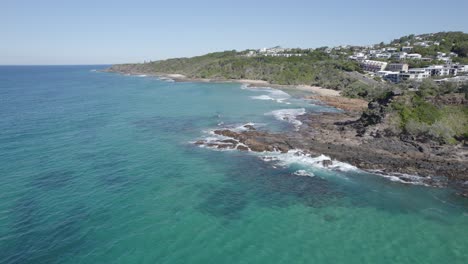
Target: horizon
(88, 33)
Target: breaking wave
(299, 157)
(288, 115)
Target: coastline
(321, 95)
(339, 136)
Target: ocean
(101, 168)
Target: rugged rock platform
(336, 135)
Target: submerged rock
(327, 163)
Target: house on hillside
(407, 49)
(417, 74)
(373, 66)
(398, 67)
(414, 56)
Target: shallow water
(99, 168)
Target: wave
(303, 173)
(299, 157)
(402, 178)
(165, 79)
(214, 141)
(271, 94)
(288, 115)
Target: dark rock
(230, 141)
(242, 148)
(226, 133)
(249, 127)
(327, 163)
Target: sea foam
(299, 157)
(288, 115)
(270, 94)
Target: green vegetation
(427, 119)
(314, 68)
(448, 42)
(419, 110)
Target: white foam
(243, 127)
(165, 79)
(303, 173)
(299, 157)
(272, 94)
(142, 75)
(288, 115)
(262, 97)
(397, 177)
(213, 140)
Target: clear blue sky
(105, 32)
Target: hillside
(314, 68)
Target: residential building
(414, 56)
(422, 44)
(407, 49)
(442, 70)
(383, 55)
(373, 66)
(393, 77)
(383, 73)
(358, 56)
(399, 55)
(460, 68)
(397, 67)
(416, 74)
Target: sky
(106, 32)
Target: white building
(383, 55)
(373, 66)
(407, 49)
(441, 70)
(416, 74)
(393, 77)
(460, 68)
(358, 56)
(398, 67)
(414, 56)
(422, 44)
(399, 55)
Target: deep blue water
(99, 168)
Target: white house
(414, 56)
(441, 70)
(414, 74)
(399, 55)
(383, 55)
(398, 67)
(407, 49)
(393, 77)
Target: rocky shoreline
(341, 137)
(328, 134)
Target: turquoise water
(99, 168)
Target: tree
(461, 49)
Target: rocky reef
(362, 141)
